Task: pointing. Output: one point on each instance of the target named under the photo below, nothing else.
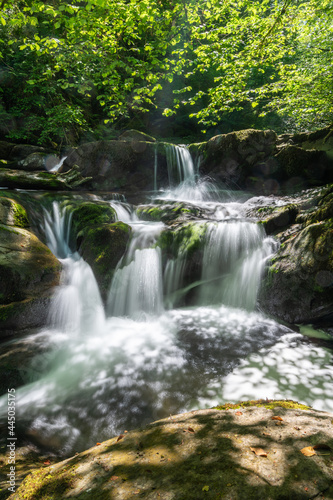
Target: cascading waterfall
(77, 305)
(100, 373)
(137, 287)
(233, 261)
(184, 180)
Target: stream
(100, 369)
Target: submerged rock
(28, 272)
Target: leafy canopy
(66, 67)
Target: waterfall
(77, 305)
(96, 374)
(233, 261)
(184, 180)
(137, 287)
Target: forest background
(181, 69)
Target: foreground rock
(28, 271)
(250, 452)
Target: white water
(99, 374)
(58, 165)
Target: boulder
(239, 157)
(28, 272)
(18, 179)
(38, 161)
(298, 286)
(5, 150)
(264, 163)
(236, 452)
(135, 135)
(87, 214)
(112, 165)
(102, 247)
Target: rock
(135, 135)
(5, 150)
(12, 213)
(102, 247)
(308, 167)
(169, 212)
(236, 453)
(264, 163)
(28, 273)
(38, 161)
(21, 151)
(280, 218)
(72, 179)
(87, 214)
(239, 157)
(118, 164)
(298, 287)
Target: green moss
(8, 230)
(270, 404)
(91, 214)
(20, 216)
(43, 484)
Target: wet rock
(12, 213)
(38, 161)
(102, 247)
(298, 287)
(28, 274)
(112, 165)
(169, 212)
(72, 179)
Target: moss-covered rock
(12, 213)
(28, 273)
(241, 157)
(168, 212)
(102, 247)
(279, 218)
(119, 164)
(72, 179)
(136, 135)
(86, 214)
(298, 287)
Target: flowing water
(104, 369)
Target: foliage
(66, 68)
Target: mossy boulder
(168, 212)
(279, 218)
(28, 274)
(12, 213)
(305, 167)
(38, 161)
(86, 214)
(102, 247)
(49, 181)
(298, 287)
